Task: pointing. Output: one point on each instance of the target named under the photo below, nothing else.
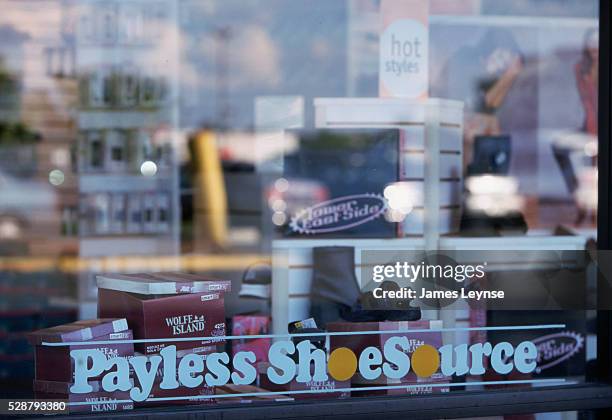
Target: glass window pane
(365, 175)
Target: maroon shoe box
(78, 331)
(189, 395)
(98, 400)
(167, 316)
(237, 391)
(438, 383)
(181, 391)
(320, 389)
(166, 305)
(53, 363)
(163, 283)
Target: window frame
(590, 396)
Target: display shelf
(292, 264)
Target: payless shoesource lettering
(392, 361)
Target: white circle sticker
(404, 47)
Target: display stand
(431, 155)
(431, 133)
(292, 267)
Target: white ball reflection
(281, 185)
(399, 197)
(56, 177)
(148, 168)
(9, 229)
(279, 205)
(279, 218)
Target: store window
(278, 202)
